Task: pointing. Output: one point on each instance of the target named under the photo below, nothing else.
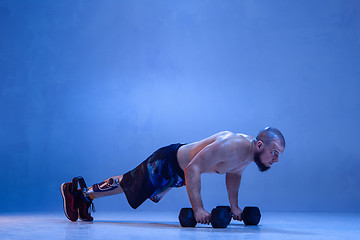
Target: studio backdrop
(92, 88)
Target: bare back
(223, 152)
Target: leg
(109, 187)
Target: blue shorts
(153, 177)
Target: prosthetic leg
(110, 186)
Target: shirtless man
(177, 165)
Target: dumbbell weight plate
(251, 215)
(220, 217)
(186, 217)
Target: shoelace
(87, 198)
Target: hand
(202, 216)
(236, 211)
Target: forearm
(232, 186)
(193, 187)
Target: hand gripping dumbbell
(220, 216)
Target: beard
(259, 164)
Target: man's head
(269, 144)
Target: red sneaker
(69, 198)
(85, 206)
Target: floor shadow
(142, 223)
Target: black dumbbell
(221, 216)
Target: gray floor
(164, 225)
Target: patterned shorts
(153, 177)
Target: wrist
(198, 209)
(234, 206)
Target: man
(177, 165)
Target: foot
(69, 195)
(84, 203)
(85, 206)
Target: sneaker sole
(64, 202)
(83, 219)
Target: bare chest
(229, 166)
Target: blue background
(93, 87)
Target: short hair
(269, 135)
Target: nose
(276, 160)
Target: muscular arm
(232, 185)
(201, 163)
(193, 186)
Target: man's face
(269, 155)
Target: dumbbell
(220, 216)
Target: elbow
(187, 169)
(191, 170)
(192, 176)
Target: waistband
(175, 162)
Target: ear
(259, 145)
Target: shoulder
(235, 142)
(231, 142)
(223, 134)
